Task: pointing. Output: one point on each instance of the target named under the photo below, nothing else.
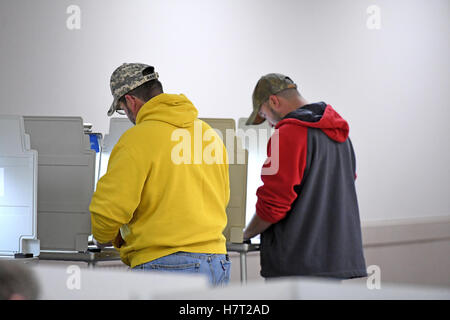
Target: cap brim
(113, 108)
(254, 119)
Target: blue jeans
(215, 266)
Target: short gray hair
(289, 93)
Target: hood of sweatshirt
(174, 109)
(319, 115)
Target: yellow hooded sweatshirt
(156, 186)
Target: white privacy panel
(18, 187)
(117, 126)
(66, 181)
(254, 139)
(238, 160)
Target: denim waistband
(201, 255)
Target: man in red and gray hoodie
(307, 210)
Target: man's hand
(118, 241)
(256, 226)
(102, 245)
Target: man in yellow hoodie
(162, 200)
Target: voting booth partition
(254, 139)
(238, 163)
(95, 140)
(18, 191)
(48, 174)
(117, 126)
(66, 173)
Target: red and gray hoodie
(312, 200)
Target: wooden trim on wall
(390, 232)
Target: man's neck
(301, 102)
(297, 103)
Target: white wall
(390, 84)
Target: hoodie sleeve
(277, 194)
(117, 195)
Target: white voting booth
(117, 126)
(254, 139)
(65, 176)
(66, 173)
(18, 190)
(238, 160)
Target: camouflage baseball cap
(267, 85)
(127, 77)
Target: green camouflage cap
(267, 85)
(127, 77)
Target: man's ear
(274, 102)
(131, 103)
